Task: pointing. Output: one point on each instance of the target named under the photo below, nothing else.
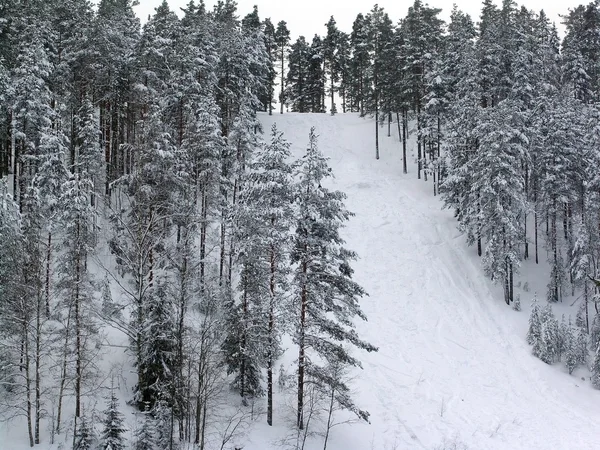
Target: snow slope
(453, 364)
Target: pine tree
(114, 428)
(571, 358)
(595, 332)
(282, 39)
(271, 49)
(360, 46)
(322, 278)
(267, 210)
(596, 370)
(145, 436)
(84, 438)
(332, 60)
(297, 90)
(534, 334)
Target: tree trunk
(48, 264)
(419, 149)
(301, 344)
(38, 362)
(329, 417)
(554, 242)
(271, 340)
(27, 364)
(404, 136)
(535, 224)
(203, 228)
(63, 370)
(78, 337)
(244, 340)
(282, 96)
(376, 132)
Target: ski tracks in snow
(449, 364)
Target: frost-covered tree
(596, 370)
(145, 436)
(297, 91)
(534, 333)
(322, 276)
(84, 437)
(114, 425)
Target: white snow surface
(453, 366)
(453, 369)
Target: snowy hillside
(453, 364)
(453, 369)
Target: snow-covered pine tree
(315, 76)
(359, 64)
(267, 213)
(596, 369)
(595, 332)
(322, 276)
(499, 185)
(296, 91)
(114, 425)
(282, 40)
(331, 58)
(380, 33)
(84, 437)
(534, 334)
(115, 37)
(145, 436)
(241, 347)
(571, 354)
(268, 97)
(550, 333)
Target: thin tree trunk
(282, 96)
(555, 253)
(48, 264)
(404, 136)
(63, 370)
(419, 149)
(203, 227)
(26, 363)
(198, 421)
(243, 340)
(78, 337)
(376, 132)
(329, 417)
(271, 340)
(38, 362)
(301, 350)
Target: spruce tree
(596, 370)
(114, 425)
(145, 436)
(322, 277)
(297, 90)
(83, 438)
(282, 40)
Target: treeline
(144, 141)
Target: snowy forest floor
(453, 368)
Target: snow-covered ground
(453, 366)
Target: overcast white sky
(307, 17)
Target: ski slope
(453, 365)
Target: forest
(140, 194)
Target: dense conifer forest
(146, 141)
